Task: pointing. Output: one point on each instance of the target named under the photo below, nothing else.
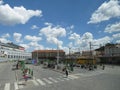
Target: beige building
(48, 54)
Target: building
(48, 54)
(110, 53)
(10, 51)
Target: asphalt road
(7, 75)
(46, 79)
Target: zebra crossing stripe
(53, 79)
(7, 86)
(20, 84)
(48, 81)
(16, 86)
(41, 82)
(60, 79)
(73, 76)
(66, 78)
(35, 83)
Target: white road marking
(48, 81)
(66, 78)
(7, 86)
(41, 82)
(16, 86)
(53, 79)
(73, 76)
(60, 79)
(20, 84)
(35, 82)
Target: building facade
(48, 54)
(109, 54)
(10, 51)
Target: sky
(60, 24)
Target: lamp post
(57, 53)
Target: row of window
(47, 54)
(17, 57)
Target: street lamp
(57, 54)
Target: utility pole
(57, 54)
(90, 48)
(37, 56)
(90, 51)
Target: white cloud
(83, 42)
(118, 41)
(35, 45)
(1, 2)
(32, 38)
(74, 36)
(106, 11)
(16, 15)
(32, 46)
(116, 35)
(34, 27)
(113, 28)
(4, 38)
(26, 46)
(102, 41)
(52, 34)
(7, 35)
(17, 37)
(87, 36)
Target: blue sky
(44, 24)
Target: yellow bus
(86, 60)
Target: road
(46, 79)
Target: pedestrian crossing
(45, 81)
(36, 82)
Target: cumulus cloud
(116, 35)
(32, 46)
(36, 45)
(52, 33)
(113, 28)
(32, 38)
(75, 37)
(106, 11)
(83, 42)
(26, 46)
(17, 37)
(34, 27)
(1, 2)
(16, 15)
(118, 41)
(5, 38)
(7, 35)
(87, 36)
(103, 40)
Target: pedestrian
(17, 66)
(25, 76)
(66, 72)
(103, 67)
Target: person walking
(66, 72)
(103, 67)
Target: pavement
(76, 74)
